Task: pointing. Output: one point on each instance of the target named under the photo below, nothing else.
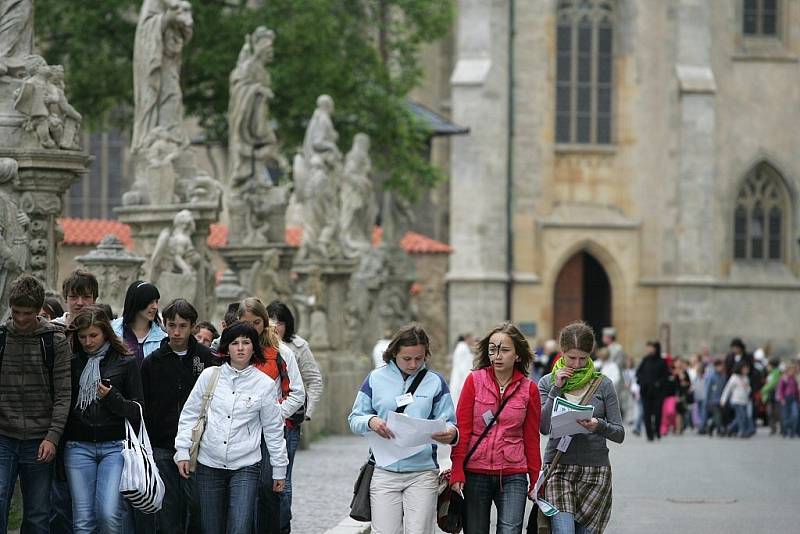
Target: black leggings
(652, 413)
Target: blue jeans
(179, 511)
(789, 417)
(508, 495)
(18, 459)
(292, 442)
(226, 498)
(93, 472)
(742, 422)
(61, 511)
(273, 513)
(564, 523)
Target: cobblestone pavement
(322, 482)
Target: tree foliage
(364, 53)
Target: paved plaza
(682, 484)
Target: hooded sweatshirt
(26, 409)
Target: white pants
(403, 503)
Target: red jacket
(512, 445)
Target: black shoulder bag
(450, 505)
(360, 509)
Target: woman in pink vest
(504, 465)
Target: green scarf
(579, 378)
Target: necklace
(504, 385)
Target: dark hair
(27, 292)
(741, 365)
(409, 335)
(94, 316)
(139, 295)
(107, 308)
(208, 326)
(521, 347)
(81, 283)
(737, 342)
(239, 329)
(775, 361)
(53, 308)
(577, 335)
(282, 313)
(231, 313)
(180, 307)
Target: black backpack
(48, 354)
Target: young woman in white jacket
(241, 411)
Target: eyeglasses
(499, 349)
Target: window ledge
(765, 56)
(764, 49)
(575, 148)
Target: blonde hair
(577, 335)
(269, 337)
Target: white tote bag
(140, 484)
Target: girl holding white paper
(403, 494)
(498, 416)
(580, 485)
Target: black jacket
(652, 374)
(167, 380)
(104, 419)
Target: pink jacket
(512, 445)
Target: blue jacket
(714, 383)
(377, 396)
(153, 340)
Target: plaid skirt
(583, 491)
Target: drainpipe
(512, 30)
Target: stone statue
(15, 239)
(252, 144)
(316, 174)
(16, 28)
(59, 106)
(174, 251)
(357, 200)
(163, 29)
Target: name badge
(404, 400)
(487, 417)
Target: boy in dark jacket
(168, 376)
(35, 381)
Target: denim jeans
(564, 523)
(508, 495)
(267, 514)
(61, 507)
(179, 511)
(742, 423)
(789, 417)
(292, 442)
(93, 472)
(18, 459)
(226, 498)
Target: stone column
(115, 269)
(478, 271)
(147, 223)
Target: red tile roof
(91, 231)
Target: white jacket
(737, 390)
(297, 392)
(309, 371)
(242, 408)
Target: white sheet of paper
(387, 451)
(412, 431)
(565, 417)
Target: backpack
(48, 354)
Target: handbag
(538, 523)
(140, 483)
(450, 505)
(360, 508)
(200, 426)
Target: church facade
(633, 163)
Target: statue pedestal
(147, 222)
(115, 269)
(42, 178)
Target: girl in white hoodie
(737, 392)
(241, 410)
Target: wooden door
(568, 294)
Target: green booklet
(565, 417)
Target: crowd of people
(73, 373)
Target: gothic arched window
(584, 81)
(760, 217)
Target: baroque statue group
(172, 203)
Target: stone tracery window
(760, 17)
(584, 60)
(761, 216)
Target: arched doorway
(582, 292)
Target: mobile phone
(106, 382)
